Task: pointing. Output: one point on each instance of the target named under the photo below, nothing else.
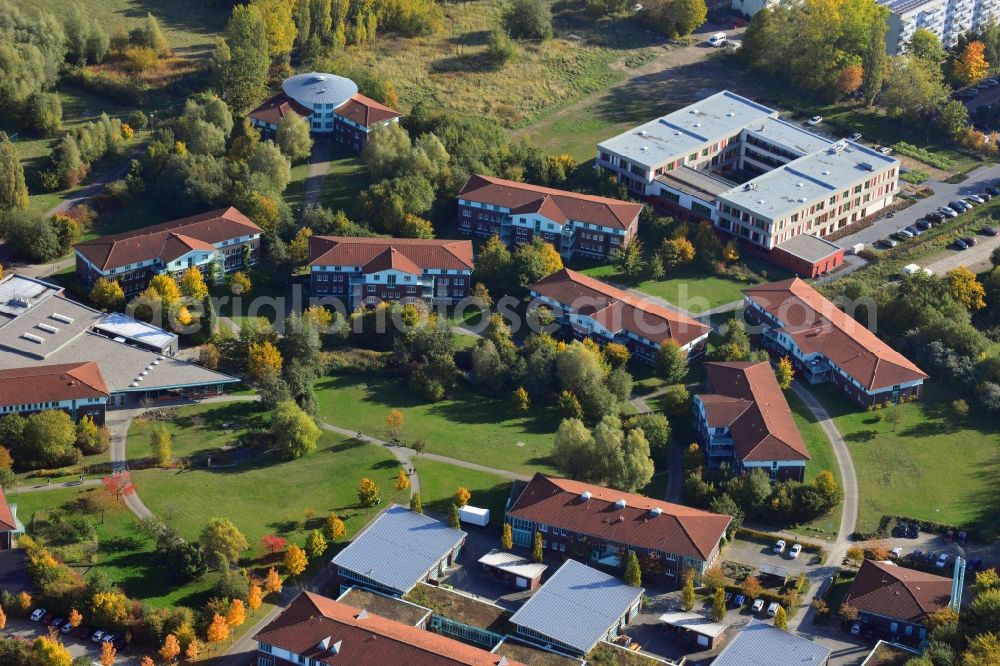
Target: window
(466, 212)
(371, 289)
(391, 280)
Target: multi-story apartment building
(826, 345)
(745, 421)
(371, 270)
(948, 19)
(576, 224)
(593, 309)
(332, 105)
(599, 525)
(732, 161)
(225, 238)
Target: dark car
(923, 225)
(949, 536)
(900, 529)
(986, 195)
(969, 240)
(84, 632)
(913, 230)
(990, 231)
(930, 556)
(975, 565)
(47, 618)
(934, 216)
(913, 531)
(994, 191)
(960, 245)
(917, 555)
(962, 536)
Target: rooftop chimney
(585, 496)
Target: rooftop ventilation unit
(868, 166)
(697, 124)
(363, 615)
(47, 328)
(133, 385)
(643, 133)
(655, 511)
(826, 173)
(621, 504)
(802, 199)
(760, 202)
(695, 111)
(33, 338)
(643, 149)
(138, 379)
(61, 317)
(149, 367)
(730, 115)
(585, 495)
(19, 302)
(799, 184)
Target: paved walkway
(319, 167)
(849, 482)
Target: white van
(718, 39)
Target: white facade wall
(948, 19)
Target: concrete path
(54, 486)
(319, 167)
(849, 482)
(976, 258)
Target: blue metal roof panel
(577, 606)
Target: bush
(925, 156)
(528, 19)
(499, 47)
(139, 59)
(914, 177)
(138, 120)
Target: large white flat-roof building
(734, 162)
(948, 19)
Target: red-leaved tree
(273, 543)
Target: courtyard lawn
(933, 466)
(439, 481)
(270, 496)
(821, 457)
(468, 427)
(197, 430)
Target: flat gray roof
(700, 184)
(18, 293)
(45, 328)
(122, 325)
(577, 606)
(717, 117)
(398, 548)
(788, 135)
(808, 247)
(813, 177)
(761, 644)
(694, 622)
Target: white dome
(319, 88)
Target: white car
(815, 120)
(947, 212)
(856, 629)
(794, 551)
(941, 560)
(896, 552)
(758, 605)
(718, 39)
(855, 137)
(886, 150)
(98, 635)
(772, 610)
(780, 546)
(38, 615)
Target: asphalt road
(943, 193)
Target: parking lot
(27, 630)
(761, 556)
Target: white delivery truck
(474, 515)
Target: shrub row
(925, 156)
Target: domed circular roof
(319, 88)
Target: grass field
(821, 457)
(197, 430)
(439, 481)
(932, 467)
(346, 177)
(270, 496)
(470, 428)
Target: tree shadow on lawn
(861, 436)
(986, 506)
(625, 33)
(471, 38)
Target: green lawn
(270, 496)
(931, 467)
(821, 457)
(469, 428)
(438, 482)
(197, 430)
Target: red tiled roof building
(224, 237)
(317, 630)
(895, 600)
(576, 224)
(598, 524)
(10, 526)
(744, 420)
(75, 388)
(826, 345)
(330, 104)
(371, 270)
(594, 309)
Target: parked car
(729, 597)
(989, 231)
(887, 243)
(912, 531)
(930, 556)
(960, 245)
(923, 225)
(969, 240)
(913, 230)
(84, 632)
(944, 211)
(855, 137)
(886, 150)
(917, 555)
(903, 234)
(985, 196)
(815, 120)
(941, 560)
(856, 629)
(779, 547)
(976, 198)
(740, 600)
(972, 202)
(38, 614)
(109, 638)
(962, 536)
(718, 39)
(58, 622)
(67, 627)
(976, 564)
(935, 216)
(97, 635)
(758, 605)
(958, 206)
(949, 536)
(772, 609)
(47, 619)
(896, 552)
(795, 550)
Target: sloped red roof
(274, 110)
(894, 591)
(818, 326)
(365, 111)
(167, 241)
(557, 205)
(747, 395)
(51, 383)
(362, 638)
(677, 529)
(7, 521)
(376, 254)
(617, 310)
